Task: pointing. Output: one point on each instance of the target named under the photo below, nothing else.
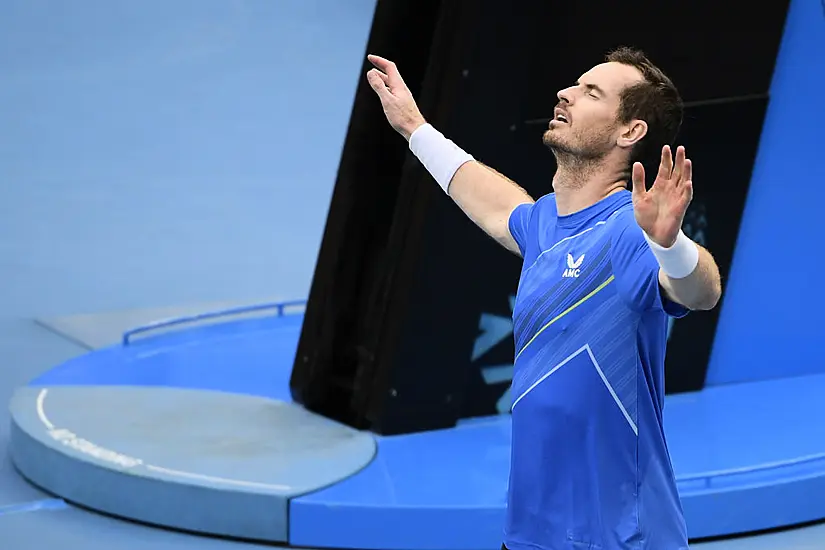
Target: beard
(578, 153)
(574, 148)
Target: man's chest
(562, 277)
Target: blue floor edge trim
(34, 506)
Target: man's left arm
(688, 273)
(701, 288)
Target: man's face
(585, 122)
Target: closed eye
(592, 90)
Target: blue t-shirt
(590, 466)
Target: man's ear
(632, 132)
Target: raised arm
(483, 194)
(688, 273)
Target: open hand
(399, 106)
(661, 210)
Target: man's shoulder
(539, 215)
(623, 217)
(622, 227)
(546, 204)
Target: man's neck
(577, 186)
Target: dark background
(403, 276)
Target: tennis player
(603, 268)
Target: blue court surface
(188, 425)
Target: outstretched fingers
(665, 165)
(378, 82)
(389, 69)
(679, 166)
(687, 180)
(639, 188)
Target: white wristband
(441, 157)
(679, 260)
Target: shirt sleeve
(518, 224)
(637, 270)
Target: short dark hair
(654, 100)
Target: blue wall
(770, 323)
(157, 153)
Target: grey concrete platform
(209, 462)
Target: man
(603, 269)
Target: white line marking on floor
(41, 412)
(88, 448)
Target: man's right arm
(484, 195)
